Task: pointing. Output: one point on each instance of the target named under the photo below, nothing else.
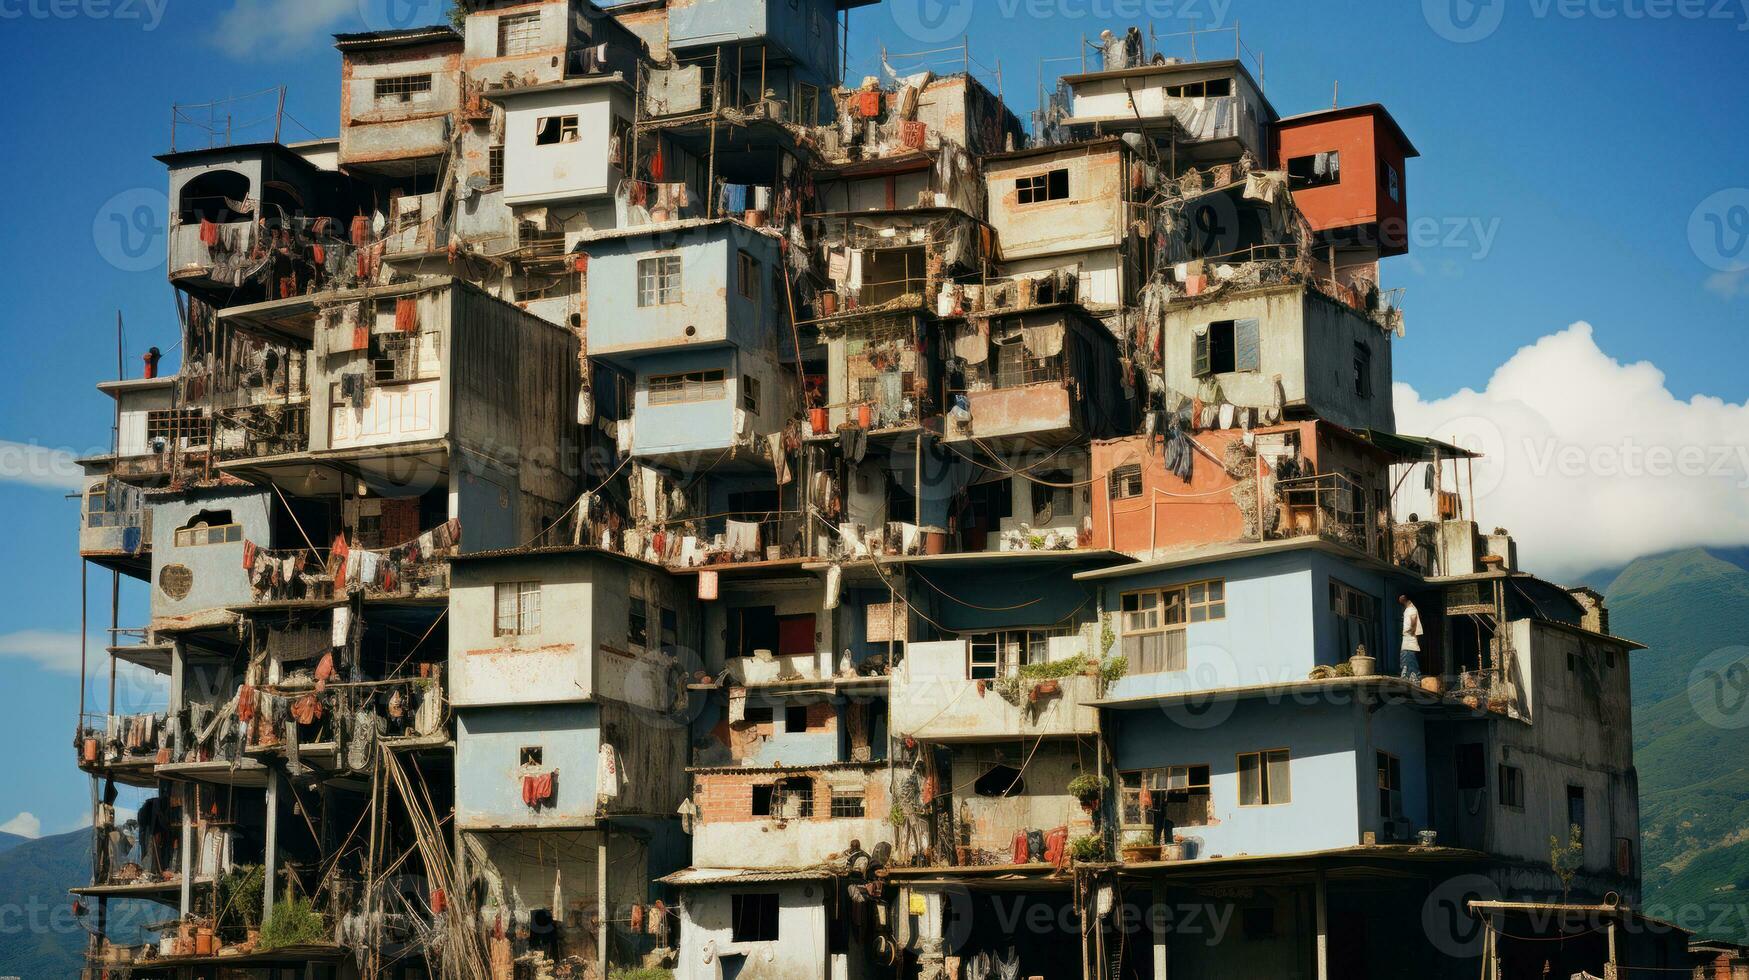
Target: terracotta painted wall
(1361, 197)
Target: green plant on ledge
(238, 900)
(293, 922)
(644, 973)
(1140, 839)
(1088, 847)
(1088, 786)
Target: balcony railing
(261, 431)
(1329, 506)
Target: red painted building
(1346, 169)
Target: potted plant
(1088, 849)
(1088, 788)
(1140, 847)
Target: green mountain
(10, 841)
(47, 942)
(1692, 752)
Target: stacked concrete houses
(641, 500)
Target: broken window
(403, 88)
(993, 655)
(1264, 779)
(659, 280)
(1511, 786)
(529, 755)
(1000, 781)
(753, 918)
(1315, 170)
(692, 386)
(1390, 772)
(1212, 88)
(552, 130)
(209, 527)
(1126, 482)
(518, 34)
(797, 798)
(402, 357)
(518, 608)
(763, 798)
(1039, 188)
(1225, 346)
(807, 110)
(177, 428)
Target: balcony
(934, 699)
(1328, 506)
(125, 748)
(736, 539)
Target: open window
(753, 918)
(1226, 346)
(213, 196)
(1052, 185)
(752, 628)
(209, 527)
(1001, 782)
(553, 130)
(1315, 170)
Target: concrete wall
(933, 699)
(1041, 802)
(711, 310)
(1099, 275)
(219, 577)
(1328, 773)
(376, 130)
(1306, 341)
(1129, 97)
(727, 832)
(1092, 217)
(536, 174)
(806, 31)
(798, 953)
(660, 431)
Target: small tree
(1567, 859)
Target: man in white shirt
(1411, 648)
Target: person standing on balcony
(1411, 648)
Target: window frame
(1513, 800)
(568, 129)
(765, 929)
(659, 281)
(1044, 187)
(687, 387)
(750, 394)
(747, 267)
(1390, 784)
(518, 34)
(1265, 758)
(1127, 473)
(1035, 645)
(1213, 608)
(403, 89)
(526, 615)
(1307, 178)
(1164, 784)
(185, 537)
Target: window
(795, 718)
(750, 393)
(659, 280)
(764, 797)
(1226, 346)
(402, 357)
(807, 112)
(518, 34)
(209, 527)
(1470, 763)
(1213, 88)
(1576, 810)
(993, 655)
(753, 918)
(797, 798)
(1263, 778)
(637, 623)
(518, 608)
(846, 804)
(753, 628)
(552, 130)
(1393, 182)
(1362, 370)
(1315, 170)
(1153, 623)
(1390, 770)
(403, 88)
(693, 386)
(760, 715)
(179, 428)
(1039, 188)
(529, 755)
(1184, 791)
(1126, 482)
(1357, 619)
(1000, 782)
(1511, 786)
(495, 165)
(747, 276)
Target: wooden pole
(601, 906)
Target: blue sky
(1565, 151)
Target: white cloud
(1589, 462)
(136, 688)
(279, 28)
(56, 651)
(40, 466)
(24, 825)
(1728, 285)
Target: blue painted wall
(711, 304)
(219, 577)
(488, 788)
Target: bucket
(828, 303)
(91, 750)
(820, 420)
(934, 541)
(865, 416)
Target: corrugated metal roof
(694, 877)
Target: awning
(1415, 448)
